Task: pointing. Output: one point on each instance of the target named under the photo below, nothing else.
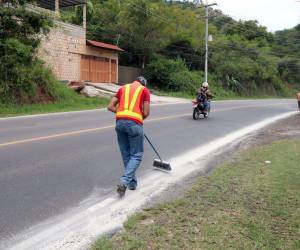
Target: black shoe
(132, 188)
(121, 189)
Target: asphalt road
(49, 164)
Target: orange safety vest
(129, 103)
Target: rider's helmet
(142, 80)
(205, 85)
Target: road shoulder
(152, 225)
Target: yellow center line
(77, 132)
(54, 136)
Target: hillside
(168, 41)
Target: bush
(281, 88)
(171, 75)
(187, 80)
(23, 77)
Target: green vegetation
(244, 58)
(71, 102)
(23, 78)
(243, 204)
(174, 73)
(166, 38)
(26, 85)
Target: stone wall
(62, 50)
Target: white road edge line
(77, 229)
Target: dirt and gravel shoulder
(285, 129)
(282, 130)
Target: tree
(249, 30)
(183, 49)
(144, 24)
(22, 74)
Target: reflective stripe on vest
(127, 109)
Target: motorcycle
(198, 108)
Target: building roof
(50, 4)
(103, 45)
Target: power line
(198, 58)
(220, 46)
(149, 12)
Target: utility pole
(84, 16)
(206, 6)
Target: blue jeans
(206, 105)
(131, 143)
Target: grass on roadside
(68, 100)
(244, 204)
(73, 102)
(218, 96)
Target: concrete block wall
(63, 47)
(61, 50)
(128, 74)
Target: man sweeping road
(131, 105)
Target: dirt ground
(285, 129)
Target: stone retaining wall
(62, 50)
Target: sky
(274, 14)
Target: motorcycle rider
(205, 94)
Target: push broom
(159, 163)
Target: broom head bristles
(163, 165)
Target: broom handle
(152, 147)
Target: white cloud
(274, 14)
